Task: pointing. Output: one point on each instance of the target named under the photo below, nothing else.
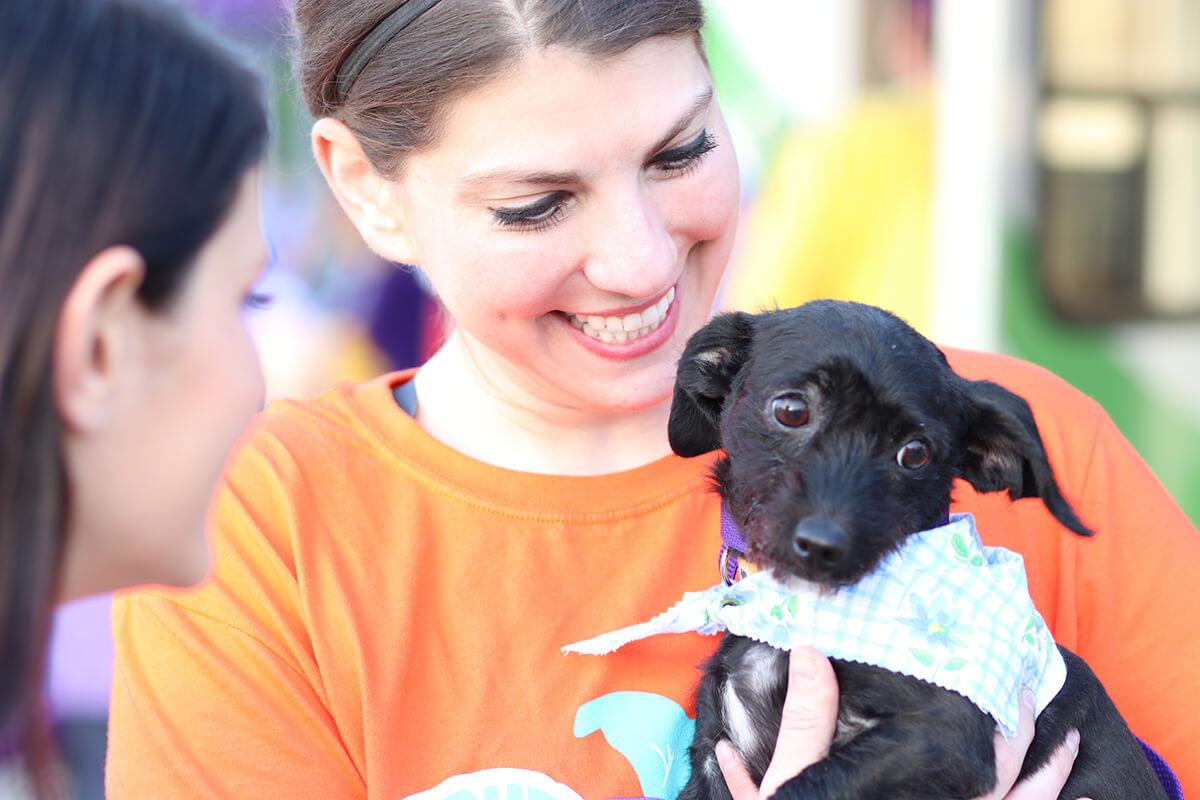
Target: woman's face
(575, 217)
(143, 490)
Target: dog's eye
(913, 455)
(790, 410)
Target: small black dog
(843, 430)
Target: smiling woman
(644, 198)
(558, 195)
(125, 372)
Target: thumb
(809, 718)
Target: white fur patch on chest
(758, 675)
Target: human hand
(810, 716)
(1046, 783)
(805, 733)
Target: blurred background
(1013, 175)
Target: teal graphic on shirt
(651, 731)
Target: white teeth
(631, 327)
(652, 316)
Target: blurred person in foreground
(129, 248)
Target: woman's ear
(363, 194)
(95, 338)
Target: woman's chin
(182, 568)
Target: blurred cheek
(254, 389)
(220, 394)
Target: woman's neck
(476, 409)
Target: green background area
(1085, 356)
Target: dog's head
(843, 430)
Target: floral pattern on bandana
(944, 609)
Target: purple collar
(731, 534)
(733, 545)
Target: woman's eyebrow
(697, 108)
(505, 175)
(548, 178)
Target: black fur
(813, 406)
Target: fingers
(1010, 752)
(1046, 783)
(740, 784)
(809, 718)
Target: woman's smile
(620, 327)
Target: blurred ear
(364, 194)
(95, 338)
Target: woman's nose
(632, 250)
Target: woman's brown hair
(401, 97)
(119, 124)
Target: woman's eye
(913, 455)
(257, 301)
(790, 410)
(683, 158)
(536, 216)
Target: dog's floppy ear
(709, 364)
(1004, 451)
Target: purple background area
(80, 667)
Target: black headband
(380, 35)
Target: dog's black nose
(821, 542)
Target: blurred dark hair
(119, 124)
(400, 99)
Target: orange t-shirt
(385, 614)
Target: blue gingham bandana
(944, 609)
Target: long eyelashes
(546, 211)
(685, 158)
(535, 216)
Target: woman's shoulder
(1032, 381)
(339, 414)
